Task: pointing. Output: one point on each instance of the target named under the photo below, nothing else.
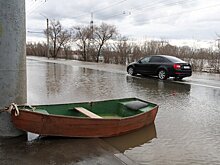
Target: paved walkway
(55, 150)
(90, 65)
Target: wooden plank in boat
(41, 111)
(87, 113)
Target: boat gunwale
(52, 104)
(87, 118)
(81, 117)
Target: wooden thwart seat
(87, 112)
(41, 111)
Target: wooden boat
(88, 119)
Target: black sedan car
(163, 66)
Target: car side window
(145, 60)
(157, 59)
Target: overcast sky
(163, 19)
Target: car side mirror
(139, 61)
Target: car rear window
(175, 59)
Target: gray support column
(12, 60)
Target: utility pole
(47, 33)
(48, 48)
(91, 24)
(13, 88)
(92, 31)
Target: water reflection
(187, 121)
(134, 139)
(62, 83)
(152, 83)
(158, 91)
(55, 74)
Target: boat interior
(119, 108)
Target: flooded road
(186, 130)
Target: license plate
(186, 67)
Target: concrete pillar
(12, 60)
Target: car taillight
(176, 66)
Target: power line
(32, 4)
(179, 13)
(35, 32)
(37, 5)
(148, 6)
(110, 6)
(155, 5)
(142, 6)
(115, 15)
(174, 3)
(119, 14)
(174, 14)
(101, 9)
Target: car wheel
(162, 74)
(131, 71)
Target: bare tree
(67, 50)
(36, 49)
(59, 37)
(83, 37)
(122, 49)
(103, 33)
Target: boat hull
(58, 125)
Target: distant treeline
(103, 43)
(123, 52)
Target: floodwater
(186, 129)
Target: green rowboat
(88, 119)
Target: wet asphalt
(186, 130)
